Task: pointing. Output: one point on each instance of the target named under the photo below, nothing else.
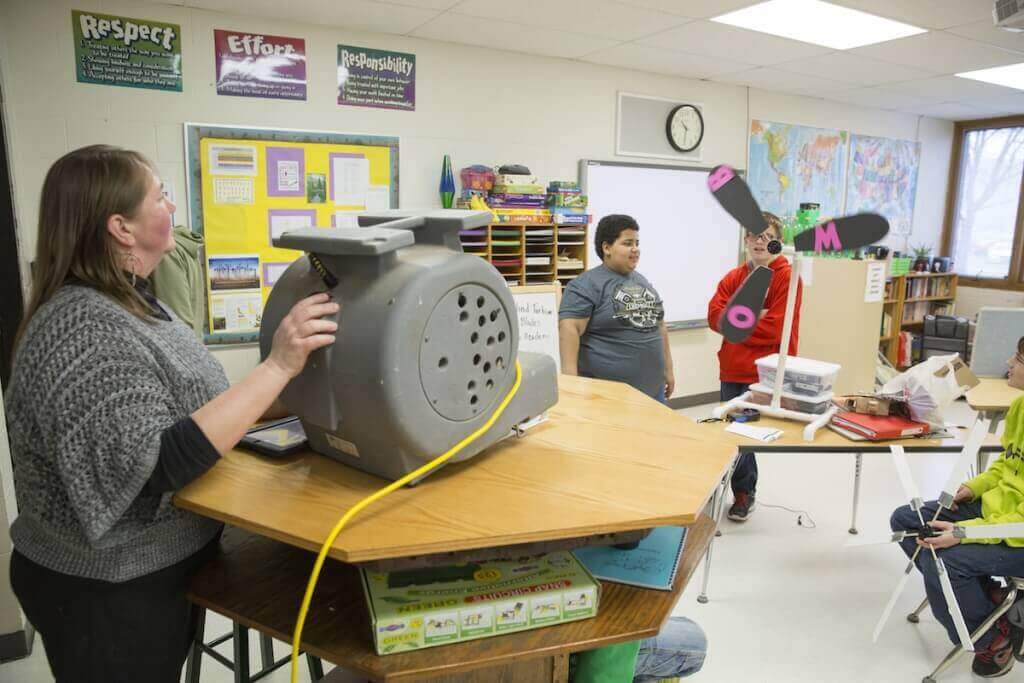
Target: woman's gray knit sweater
(92, 390)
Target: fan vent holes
(481, 321)
(487, 367)
(501, 336)
(476, 359)
(490, 341)
(494, 315)
(471, 386)
(463, 316)
(474, 338)
(462, 300)
(472, 400)
(443, 362)
(480, 301)
(500, 362)
(490, 384)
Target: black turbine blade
(849, 232)
(740, 315)
(735, 197)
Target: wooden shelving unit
(908, 298)
(531, 253)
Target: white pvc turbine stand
(816, 421)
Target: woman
(611, 326)
(113, 405)
(737, 370)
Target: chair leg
(194, 663)
(1002, 609)
(241, 653)
(914, 616)
(316, 668)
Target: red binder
(879, 428)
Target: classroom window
(983, 223)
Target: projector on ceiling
(1009, 15)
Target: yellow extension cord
(355, 509)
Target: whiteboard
(687, 241)
(995, 340)
(537, 309)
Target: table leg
(717, 508)
(241, 653)
(856, 490)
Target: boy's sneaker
(997, 659)
(997, 593)
(742, 507)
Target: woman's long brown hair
(81, 191)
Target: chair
(239, 664)
(1015, 584)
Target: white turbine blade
(953, 605)
(877, 539)
(1011, 530)
(899, 459)
(892, 601)
(968, 457)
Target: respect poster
(256, 65)
(134, 53)
(376, 78)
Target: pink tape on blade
(720, 176)
(826, 238)
(741, 317)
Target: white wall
(480, 106)
(969, 300)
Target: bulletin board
(249, 185)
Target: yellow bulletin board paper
(249, 185)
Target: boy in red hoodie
(736, 361)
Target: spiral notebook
(652, 564)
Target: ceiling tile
(355, 14)
(934, 14)
(698, 9)
(712, 39)
(500, 35)
(783, 81)
(602, 18)
(940, 52)
(987, 32)
(876, 98)
(951, 89)
(953, 111)
(1005, 104)
(843, 66)
(658, 60)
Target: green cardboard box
(415, 609)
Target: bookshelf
(910, 297)
(531, 253)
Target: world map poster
(791, 164)
(883, 179)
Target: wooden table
(992, 395)
(827, 441)
(258, 583)
(608, 459)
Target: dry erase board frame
(729, 254)
(195, 133)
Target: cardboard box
(864, 404)
(415, 609)
(963, 374)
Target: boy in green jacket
(994, 497)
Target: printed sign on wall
(134, 53)
(254, 65)
(376, 78)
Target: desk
(608, 459)
(259, 584)
(828, 441)
(992, 398)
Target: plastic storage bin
(804, 376)
(816, 405)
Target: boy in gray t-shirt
(611, 321)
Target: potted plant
(922, 258)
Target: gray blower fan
(426, 346)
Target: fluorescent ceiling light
(1011, 75)
(821, 23)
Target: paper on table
(350, 177)
(764, 434)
